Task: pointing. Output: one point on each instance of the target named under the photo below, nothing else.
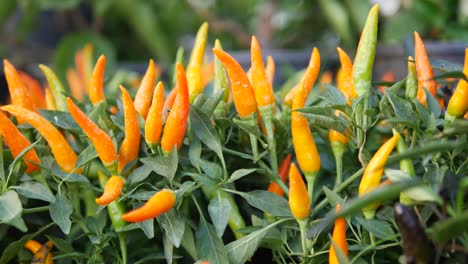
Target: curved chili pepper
(458, 104)
(62, 151)
(242, 92)
(75, 84)
(423, 70)
(270, 70)
(153, 125)
(101, 140)
(84, 64)
(17, 142)
(176, 123)
(411, 80)
(41, 252)
(112, 190)
(220, 75)
(299, 201)
(18, 92)
(161, 202)
(96, 83)
(261, 85)
(309, 78)
(194, 77)
(283, 173)
(143, 96)
(362, 67)
(339, 237)
(56, 87)
(49, 98)
(374, 170)
(34, 90)
(131, 143)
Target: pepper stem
(303, 228)
(252, 120)
(310, 177)
(123, 247)
(267, 115)
(338, 150)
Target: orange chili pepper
(17, 142)
(346, 85)
(270, 70)
(169, 102)
(101, 140)
(283, 173)
(49, 98)
(84, 64)
(131, 143)
(194, 77)
(423, 70)
(242, 92)
(161, 202)
(261, 85)
(75, 84)
(299, 201)
(41, 252)
(112, 190)
(153, 125)
(34, 89)
(339, 237)
(96, 84)
(335, 136)
(458, 104)
(18, 92)
(176, 123)
(143, 96)
(308, 79)
(62, 151)
(207, 73)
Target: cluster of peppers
(166, 122)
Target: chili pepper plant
(228, 168)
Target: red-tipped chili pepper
(154, 122)
(62, 151)
(339, 237)
(17, 142)
(176, 123)
(96, 84)
(101, 140)
(194, 77)
(283, 173)
(423, 70)
(112, 190)
(242, 92)
(18, 91)
(458, 104)
(75, 84)
(143, 96)
(309, 78)
(131, 143)
(161, 202)
(299, 201)
(34, 90)
(374, 170)
(261, 85)
(41, 252)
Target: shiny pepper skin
(194, 67)
(176, 123)
(283, 173)
(299, 201)
(260, 82)
(154, 120)
(96, 84)
(458, 104)
(161, 202)
(339, 237)
(112, 190)
(423, 71)
(18, 91)
(34, 89)
(242, 92)
(101, 140)
(374, 170)
(143, 96)
(304, 144)
(131, 144)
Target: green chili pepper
(58, 90)
(406, 165)
(411, 80)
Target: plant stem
(123, 247)
(303, 227)
(35, 210)
(338, 151)
(310, 177)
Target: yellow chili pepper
(458, 104)
(131, 144)
(270, 70)
(49, 99)
(194, 77)
(299, 201)
(374, 170)
(41, 252)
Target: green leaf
(332, 197)
(220, 212)
(451, 228)
(70, 177)
(211, 169)
(334, 96)
(267, 202)
(401, 107)
(210, 247)
(162, 165)
(168, 249)
(86, 156)
(62, 244)
(452, 74)
(379, 228)
(147, 227)
(10, 206)
(2, 168)
(60, 212)
(35, 190)
(61, 120)
(173, 225)
(432, 103)
(445, 66)
(327, 122)
(139, 174)
(195, 150)
(188, 242)
(239, 174)
(210, 104)
(421, 193)
(206, 132)
(248, 127)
